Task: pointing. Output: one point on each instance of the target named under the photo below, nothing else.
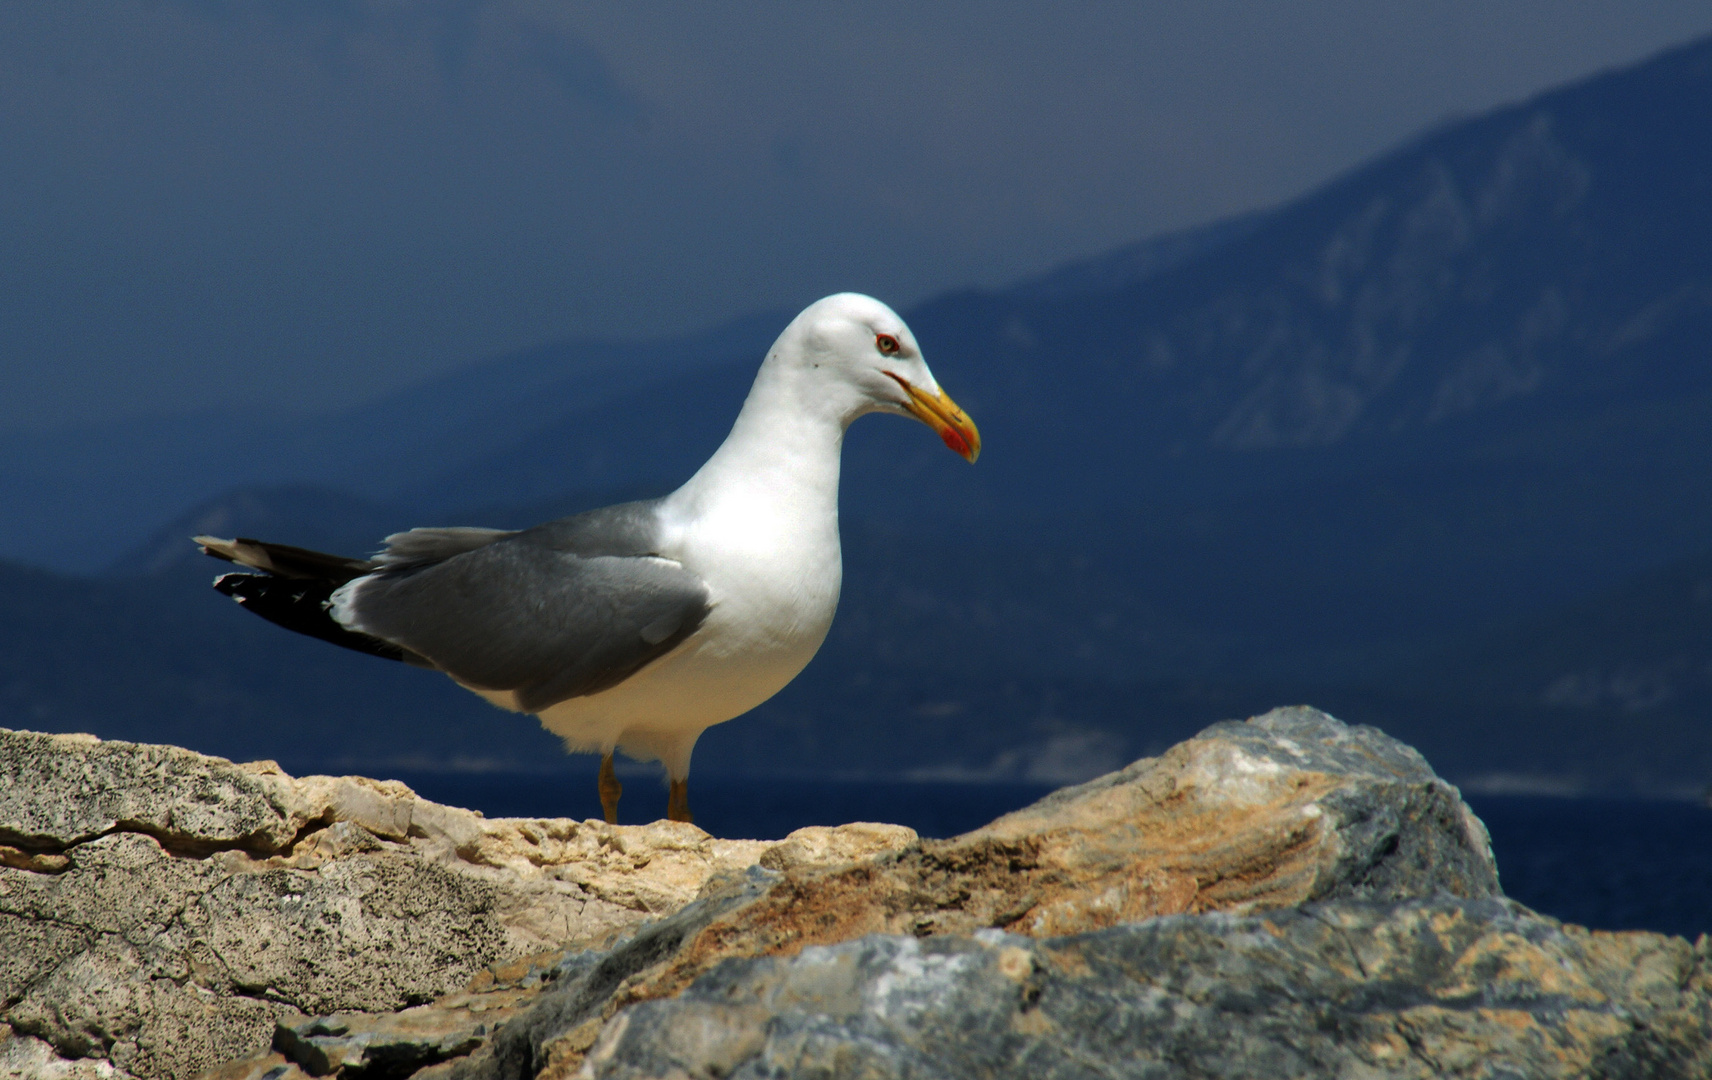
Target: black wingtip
(302, 606)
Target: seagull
(636, 627)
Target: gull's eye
(886, 343)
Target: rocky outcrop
(1284, 896)
(164, 911)
(1420, 988)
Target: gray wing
(419, 547)
(565, 609)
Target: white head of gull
(638, 626)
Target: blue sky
(227, 203)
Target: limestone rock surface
(1283, 896)
(163, 911)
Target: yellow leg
(610, 790)
(678, 803)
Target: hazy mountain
(1495, 333)
(93, 493)
(1454, 384)
(496, 432)
(645, 433)
(1593, 695)
(1638, 648)
(1137, 263)
(311, 517)
(158, 661)
(485, 434)
(1318, 454)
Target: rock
(33, 1059)
(162, 911)
(1284, 809)
(62, 790)
(552, 1035)
(1286, 895)
(1291, 807)
(392, 1043)
(1416, 988)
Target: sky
(219, 204)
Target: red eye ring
(887, 344)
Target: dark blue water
(1611, 864)
(1605, 863)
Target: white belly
(772, 603)
(660, 711)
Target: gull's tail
(294, 589)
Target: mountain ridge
(1457, 388)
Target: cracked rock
(1285, 896)
(162, 911)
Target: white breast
(759, 525)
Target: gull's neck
(782, 456)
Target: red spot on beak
(955, 441)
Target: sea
(1608, 864)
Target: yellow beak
(940, 413)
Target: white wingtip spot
(342, 604)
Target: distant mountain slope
(487, 433)
(1457, 388)
(1137, 263)
(653, 437)
(1556, 250)
(163, 657)
(1610, 693)
(165, 662)
(76, 499)
(1641, 648)
(1466, 380)
(311, 517)
(1547, 258)
(1483, 291)
(947, 660)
